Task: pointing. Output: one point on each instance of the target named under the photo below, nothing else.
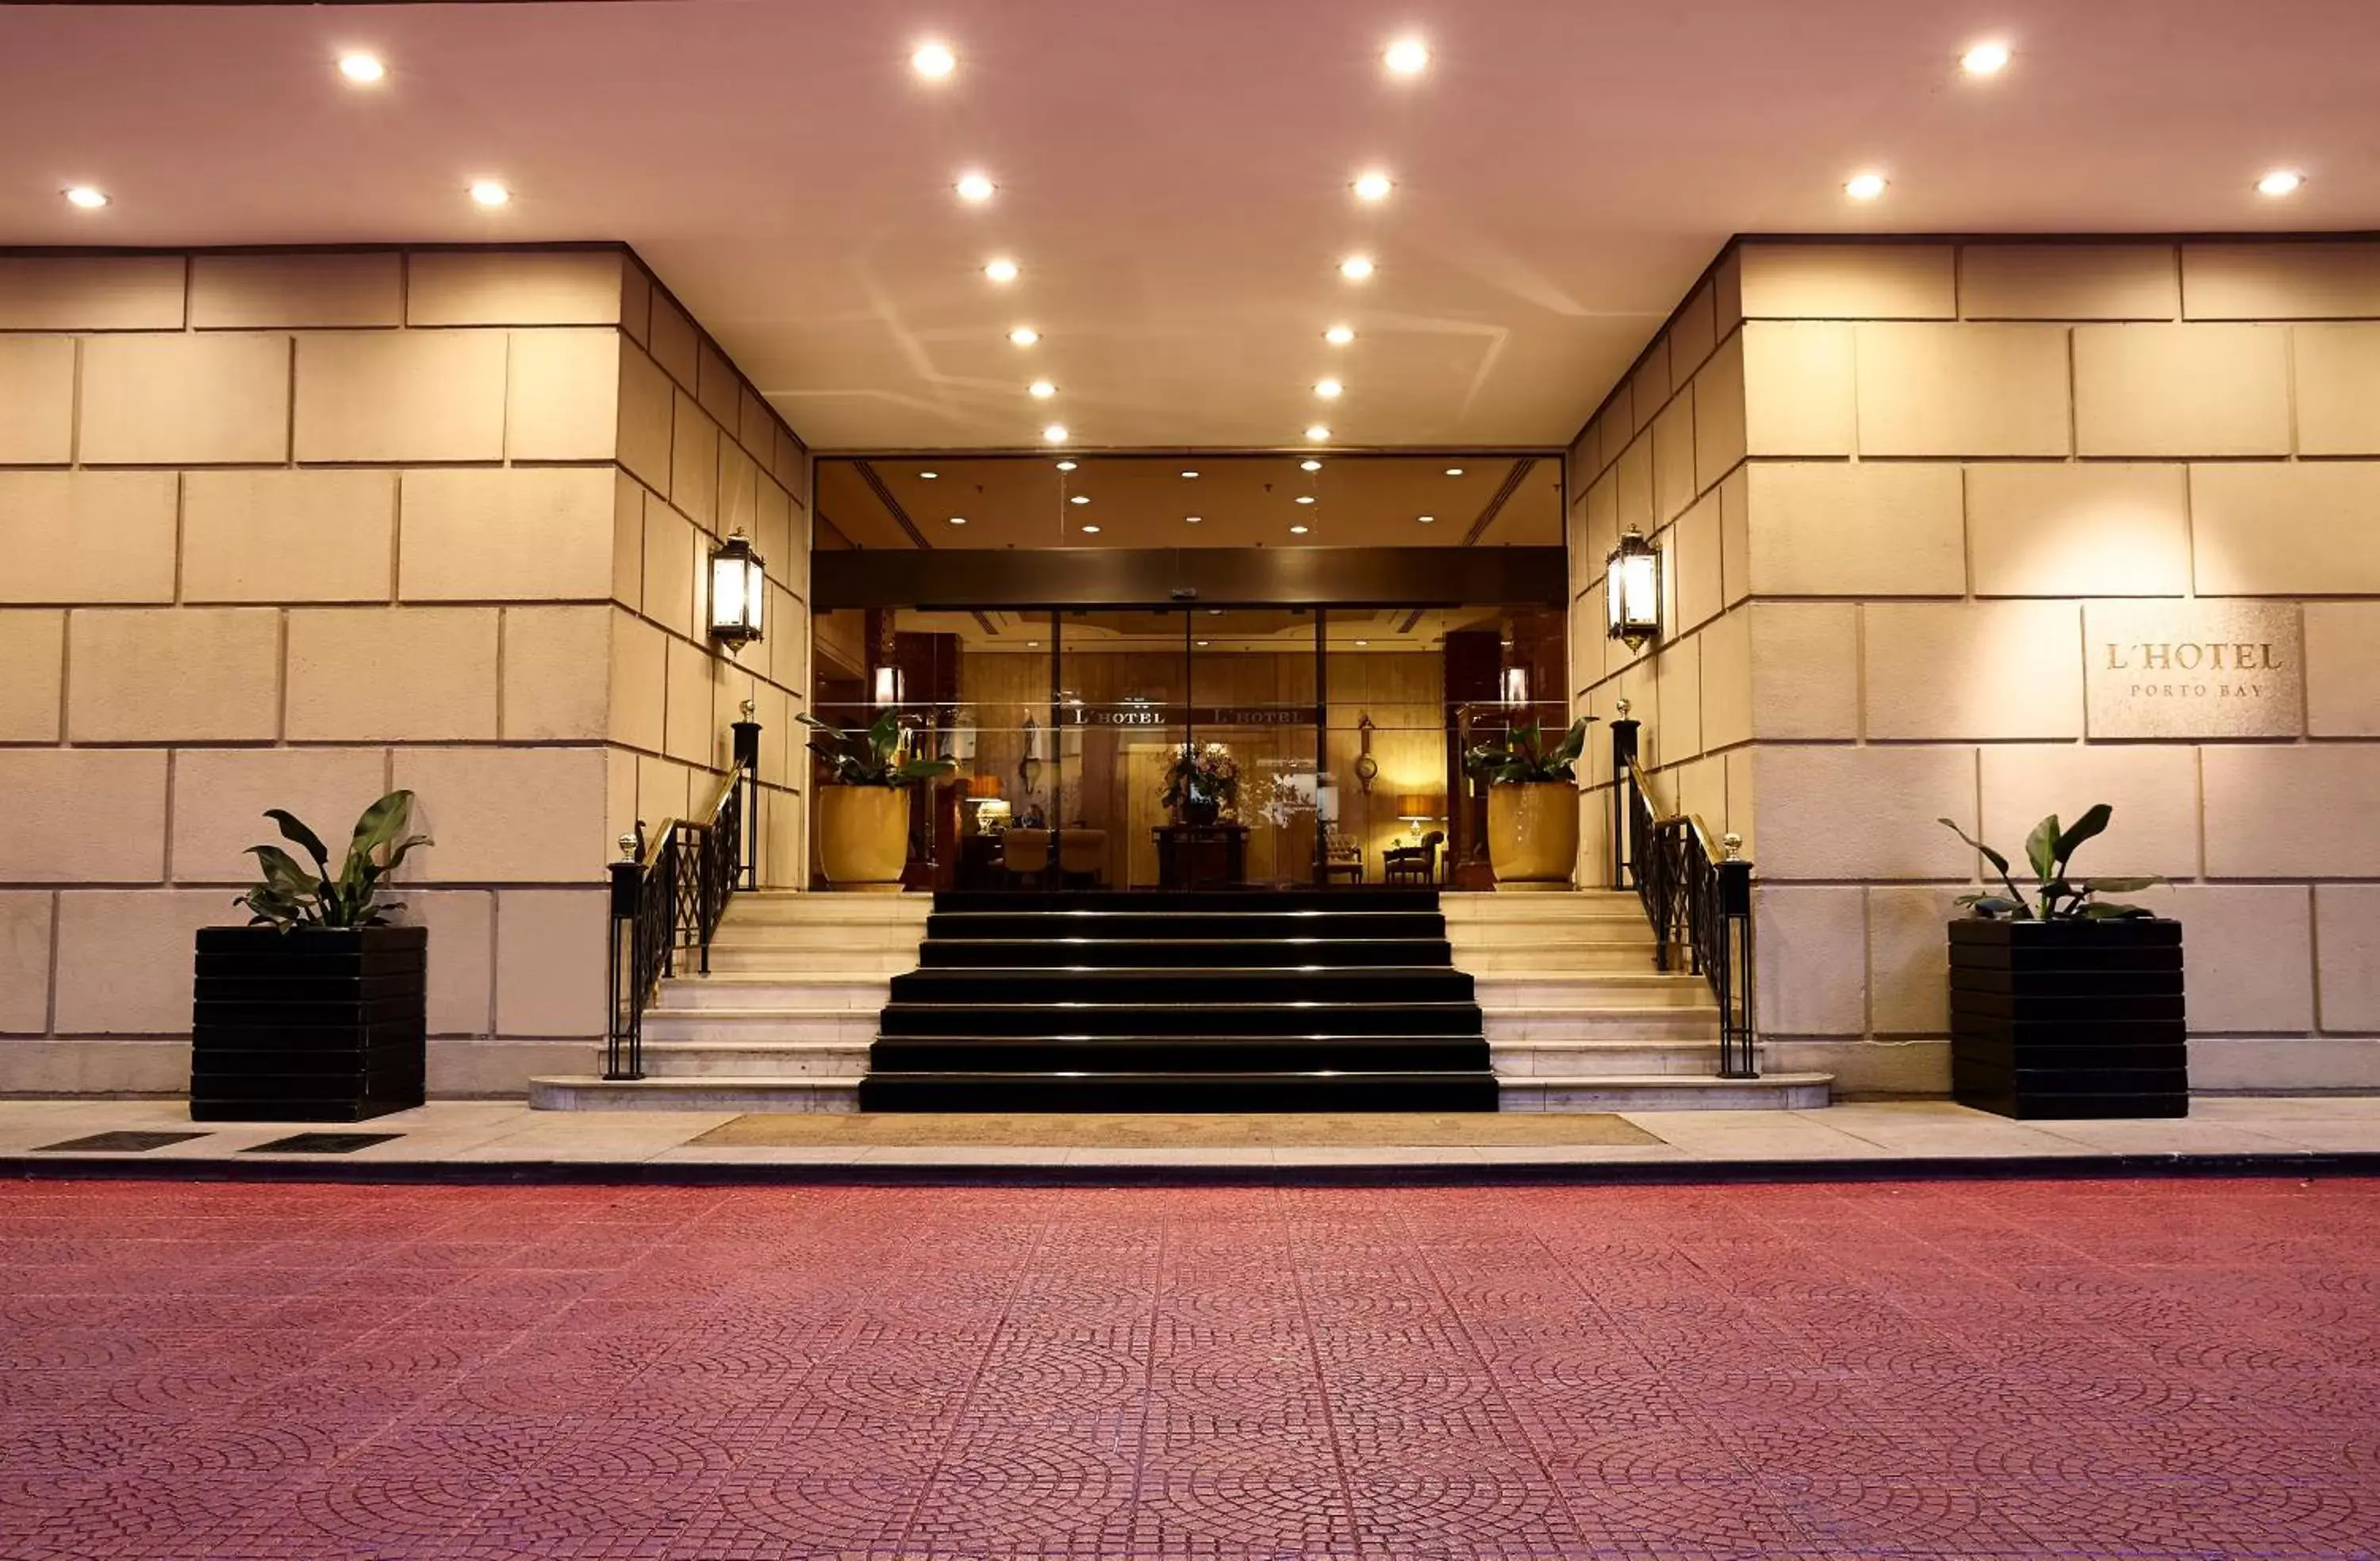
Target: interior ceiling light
(976, 188)
(87, 197)
(1190, 520)
(1056, 434)
(1040, 390)
(1204, 643)
(1000, 271)
(361, 68)
(1082, 498)
(1063, 466)
(929, 475)
(1189, 474)
(1339, 335)
(1355, 268)
(1025, 335)
(933, 61)
(487, 192)
(1373, 187)
(1426, 519)
(2281, 181)
(1406, 56)
(1090, 530)
(958, 520)
(1305, 497)
(1362, 643)
(1318, 434)
(1454, 471)
(1309, 466)
(1864, 187)
(1985, 59)
(1328, 389)
(1299, 530)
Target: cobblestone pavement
(1985, 1369)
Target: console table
(1201, 855)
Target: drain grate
(321, 1144)
(122, 1141)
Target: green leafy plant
(1202, 773)
(872, 756)
(1523, 759)
(2063, 898)
(292, 897)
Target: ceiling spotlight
(1406, 56)
(1082, 498)
(1056, 434)
(1025, 335)
(1863, 187)
(1063, 466)
(2281, 181)
(1373, 187)
(1204, 643)
(1000, 271)
(933, 61)
(89, 200)
(1318, 434)
(361, 69)
(1454, 471)
(1985, 59)
(1328, 390)
(958, 520)
(929, 475)
(1090, 530)
(1299, 530)
(1191, 519)
(1305, 497)
(1362, 643)
(1189, 474)
(1355, 268)
(974, 186)
(487, 192)
(1040, 390)
(1339, 335)
(1426, 519)
(1309, 466)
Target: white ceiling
(1173, 175)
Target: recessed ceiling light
(1426, 519)
(1190, 519)
(1055, 434)
(1305, 497)
(1032, 644)
(1062, 466)
(1339, 335)
(1082, 498)
(1985, 59)
(2281, 181)
(1864, 187)
(361, 68)
(1189, 474)
(958, 520)
(1090, 530)
(1407, 56)
(1205, 643)
(929, 475)
(1361, 643)
(87, 197)
(1025, 335)
(1454, 471)
(1000, 271)
(1328, 389)
(1040, 390)
(1299, 530)
(1373, 187)
(974, 186)
(1355, 268)
(487, 192)
(933, 61)
(1318, 434)
(1309, 466)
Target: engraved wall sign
(2193, 668)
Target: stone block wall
(290, 528)
(1953, 458)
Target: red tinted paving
(2135, 1369)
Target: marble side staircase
(1575, 1015)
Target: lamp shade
(739, 592)
(1633, 589)
(1417, 805)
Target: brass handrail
(727, 784)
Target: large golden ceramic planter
(863, 837)
(1532, 834)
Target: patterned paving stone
(2137, 1371)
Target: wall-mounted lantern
(740, 590)
(1632, 586)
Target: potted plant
(863, 811)
(1202, 783)
(1532, 806)
(316, 1011)
(2065, 1005)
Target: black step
(1207, 899)
(1175, 1019)
(1192, 923)
(1369, 1091)
(1175, 1054)
(1145, 953)
(1064, 987)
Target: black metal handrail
(1697, 897)
(669, 892)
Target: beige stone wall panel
(37, 401)
(1864, 813)
(647, 405)
(401, 395)
(188, 674)
(1634, 491)
(2338, 385)
(2181, 390)
(184, 400)
(1674, 488)
(522, 534)
(1825, 528)
(2328, 280)
(87, 536)
(1720, 435)
(250, 292)
(462, 924)
(2347, 944)
(32, 675)
(1648, 386)
(2342, 669)
(507, 815)
(1972, 671)
(25, 932)
(289, 536)
(694, 465)
(673, 342)
(2248, 951)
(393, 673)
(1693, 333)
(557, 665)
(514, 287)
(2076, 281)
(1694, 575)
(92, 292)
(2291, 812)
(562, 398)
(2153, 788)
(1848, 281)
(220, 795)
(1726, 681)
(1962, 390)
(1909, 960)
(550, 975)
(83, 816)
(1804, 661)
(1812, 978)
(1799, 395)
(2078, 529)
(672, 545)
(2285, 529)
(639, 677)
(125, 956)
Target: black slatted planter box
(2068, 1018)
(322, 1025)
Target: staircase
(1335, 1000)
